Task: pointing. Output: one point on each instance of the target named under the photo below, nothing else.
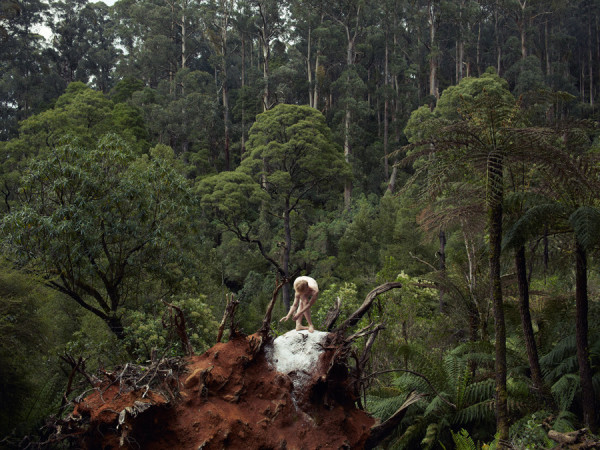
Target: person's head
(301, 286)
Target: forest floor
(229, 397)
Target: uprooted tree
(231, 395)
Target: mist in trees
(180, 151)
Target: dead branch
(266, 325)
(332, 314)
(177, 321)
(365, 356)
(383, 430)
(229, 312)
(79, 366)
(362, 310)
(366, 331)
(433, 268)
(581, 439)
(75, 367)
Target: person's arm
(292, 308)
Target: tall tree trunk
(266, 94)
(498, 47)
(309, 70)
(225, 91)
(547, 47)
(478, 55)
(347, 119)
(183, 36)
(385, 111)
(460, 45)
(316, 87)
(496, 190)
(588, 397)
(591, 62)
(433, 57)
(522, 22)
(243, 137)
(442, 267)
(532, 353)
(286, 253)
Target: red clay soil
(229, 398)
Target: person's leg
(311, 328)
(299, 325)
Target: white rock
(297, 351)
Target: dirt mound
(229, 397)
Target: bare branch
(362, 310)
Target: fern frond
(473, 347)
(567, 365)
(409, 382)
(463, 441)
(480, 391)
(586, 224)
(565, 348)
(437, 406)
(424, 362)
(532, 223)
(564, 390)
(479, 412)
(383, 408)
(431, 435)
(409, 439)
(518, 388)
(565, 422)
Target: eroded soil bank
(230, 397)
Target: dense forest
(173, 153)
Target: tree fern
(585, 221)
(564, 390)
(532, 223)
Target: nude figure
(306, 295)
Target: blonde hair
(301, 286)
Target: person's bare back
(306, 293)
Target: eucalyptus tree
(103, 54)
(27, 80)
(69, 42)
(292, 163)
(94, 223)
(270, 24)
(218, 17)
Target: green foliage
(232, 198)
(96, 221)
(528, 433)
(32, 325)
(347, 293)
(149, 328)
(531, 224)
(585, 221)
(291, 147)
(455, 399)
(463, 441)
